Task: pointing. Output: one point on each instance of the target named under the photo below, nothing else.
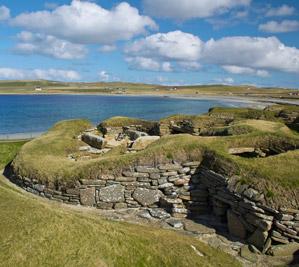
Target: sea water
(29, 114)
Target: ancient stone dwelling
(181, 189)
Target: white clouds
(156, 51)
(56, 74)
(228, 80)
(279, 27)
(86, 22)
(166, 66)
(143, 63)
(252, 52)
(107, 48)
(188, 9)
(282, 26)
(9, 73)
(50, 5)
(245, 70)
(67, 31)
(175, 45)
(225, 80)
(237, 55)
(104, 76)
(49, 74)
(262, 73)
(4, 13)
(283, 10)
(36, 43)
(189, 65)
(242, 14)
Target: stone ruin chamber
(186, 189)
(183, 189)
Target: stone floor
(207, 228)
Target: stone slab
(87, 196)
(112, 193)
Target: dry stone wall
(183, 190)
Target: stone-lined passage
(184, 190)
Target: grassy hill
(52, 87)
(36, 232)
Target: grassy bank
(8, 151)
(36, 232)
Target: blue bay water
(37, 113)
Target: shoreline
(245, 99)
(239, 99)
(258, 103)
(19, 136)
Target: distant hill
(124, 88)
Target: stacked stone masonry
(184, 190)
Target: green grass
(48, 153)
(30, 84)
(227, 131)
(36, 232)
(195, 119)
(268, 126)
(241, 113)
(282, 168)
(278, 108)
(8, 151)
(124, 121)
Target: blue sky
(152, 41)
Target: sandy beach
(20, 136)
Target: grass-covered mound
(35, 232)
(45, 158)
(124, 121)
(236, 113)
(276, 174)
(267, 126)
(283, 113)
(8, 150)
(196, 120)
(227, 130)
